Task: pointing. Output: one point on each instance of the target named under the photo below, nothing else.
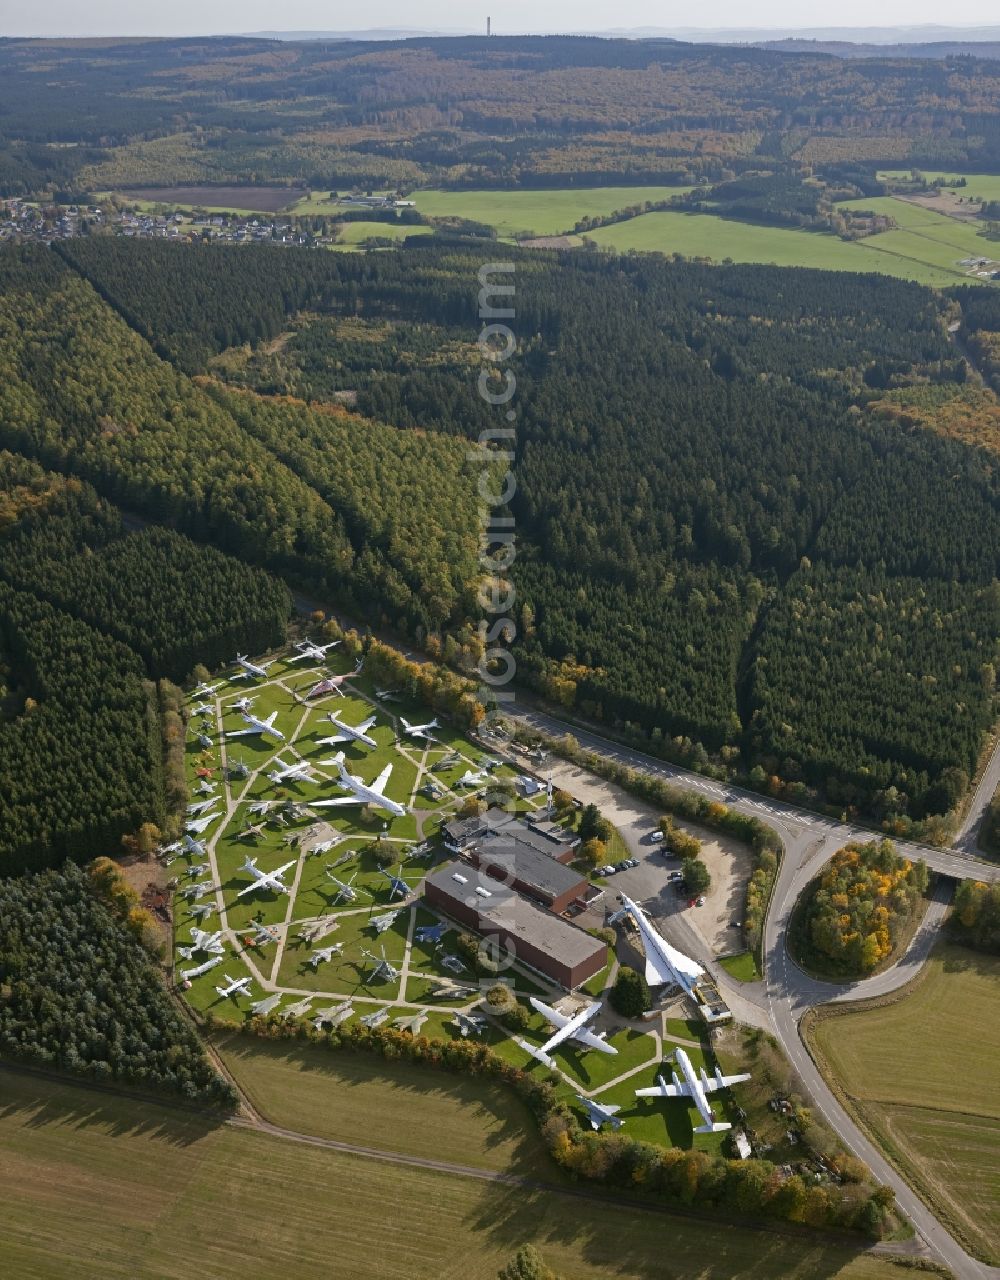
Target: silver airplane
(247, 668)
(599, 1113)
(348, 733)
(306, 649)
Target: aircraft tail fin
(536, 1053)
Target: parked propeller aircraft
(348, 733)
(235, 986)
(362, 793)
(600, 1113)
(574, 1028)
(297, 771)
(697, 1090)
(248, 668)
(264, 879)
(419, 730)
(306, 649)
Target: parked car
(606, 871)
(656, 837)
(633, 862)
(623, 865)
(675, 877)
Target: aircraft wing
(593, 1041)
(712, 1084)
(239, 733)
(337, 800)
(378, 786)
(553, 1016)
(271, 719)
(281, 870)
(663, 1090)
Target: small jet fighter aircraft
(362, 792)
(325, 953)
(431, 932)
(383, 922)
(203, 910)
(387, 695)
(574, 1028)
(263, 933)
(235, 986)
(205, 690)
(470, 779)
(376, 1018)
(412, 1023)
(694, 1088)
(201, 805)
(210, 943)
(263, 1007)
(198, 825)
(334, 1015)
(599, 1113)
(254, 832)
(419, 730)
(454, 964)
(258, 670)
(470, 1024)
(306, 649)
(349, 733)
(264, 879)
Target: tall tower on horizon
(487, 28)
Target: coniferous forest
(723, 549)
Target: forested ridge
(710, 511)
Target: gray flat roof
(538, 871)
(514, 914)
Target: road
(810, 840)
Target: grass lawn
(895, 253)
(177, 1196)
(742, 967)
(542, 213)
(357, 232)
(979, 186)
(921, 1072)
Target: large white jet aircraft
(248, 668)
(256, 725)
(694, 1088)
(361, 792)
(574, 1028)
(306, 649)
(235, 986)
(264, 879)
(418, 730)
(349, 733)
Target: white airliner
(248, 668)
(697, 1090)
(306, 649)
(418, 730)
(297, 771)
(235, 986)
(574, 1028)
(349, 733)
(331, 684)
(361, 792)
(264, 879)
(256, 725)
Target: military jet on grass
(200, 912)
(210, 943)
(263, 1007)
(473, 1024)
(306, 649)
(600, 1113)
(264, 879)
(454, 964)
(412, 1023)
(203, 709)
(448, 990)
(200, 806)
(258, 670)
(198, 825)
(349, 733)
(383, 922)
(256, 725)
(375, 1019)
(333, 1016)
(419, 730)
(263, 934)
(695, 1089)
(383, 969)
(431, 932)
(362, 792)
(195, 891)
(387, 695)
(253, 832)
(574, 1028)
(235, 986)
(206, 690)
(325, 953)
(470, 779)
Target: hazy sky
(195, 17)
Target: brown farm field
(253, 199)
(920, 1072)
(104, 1187)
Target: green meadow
(547, 212)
